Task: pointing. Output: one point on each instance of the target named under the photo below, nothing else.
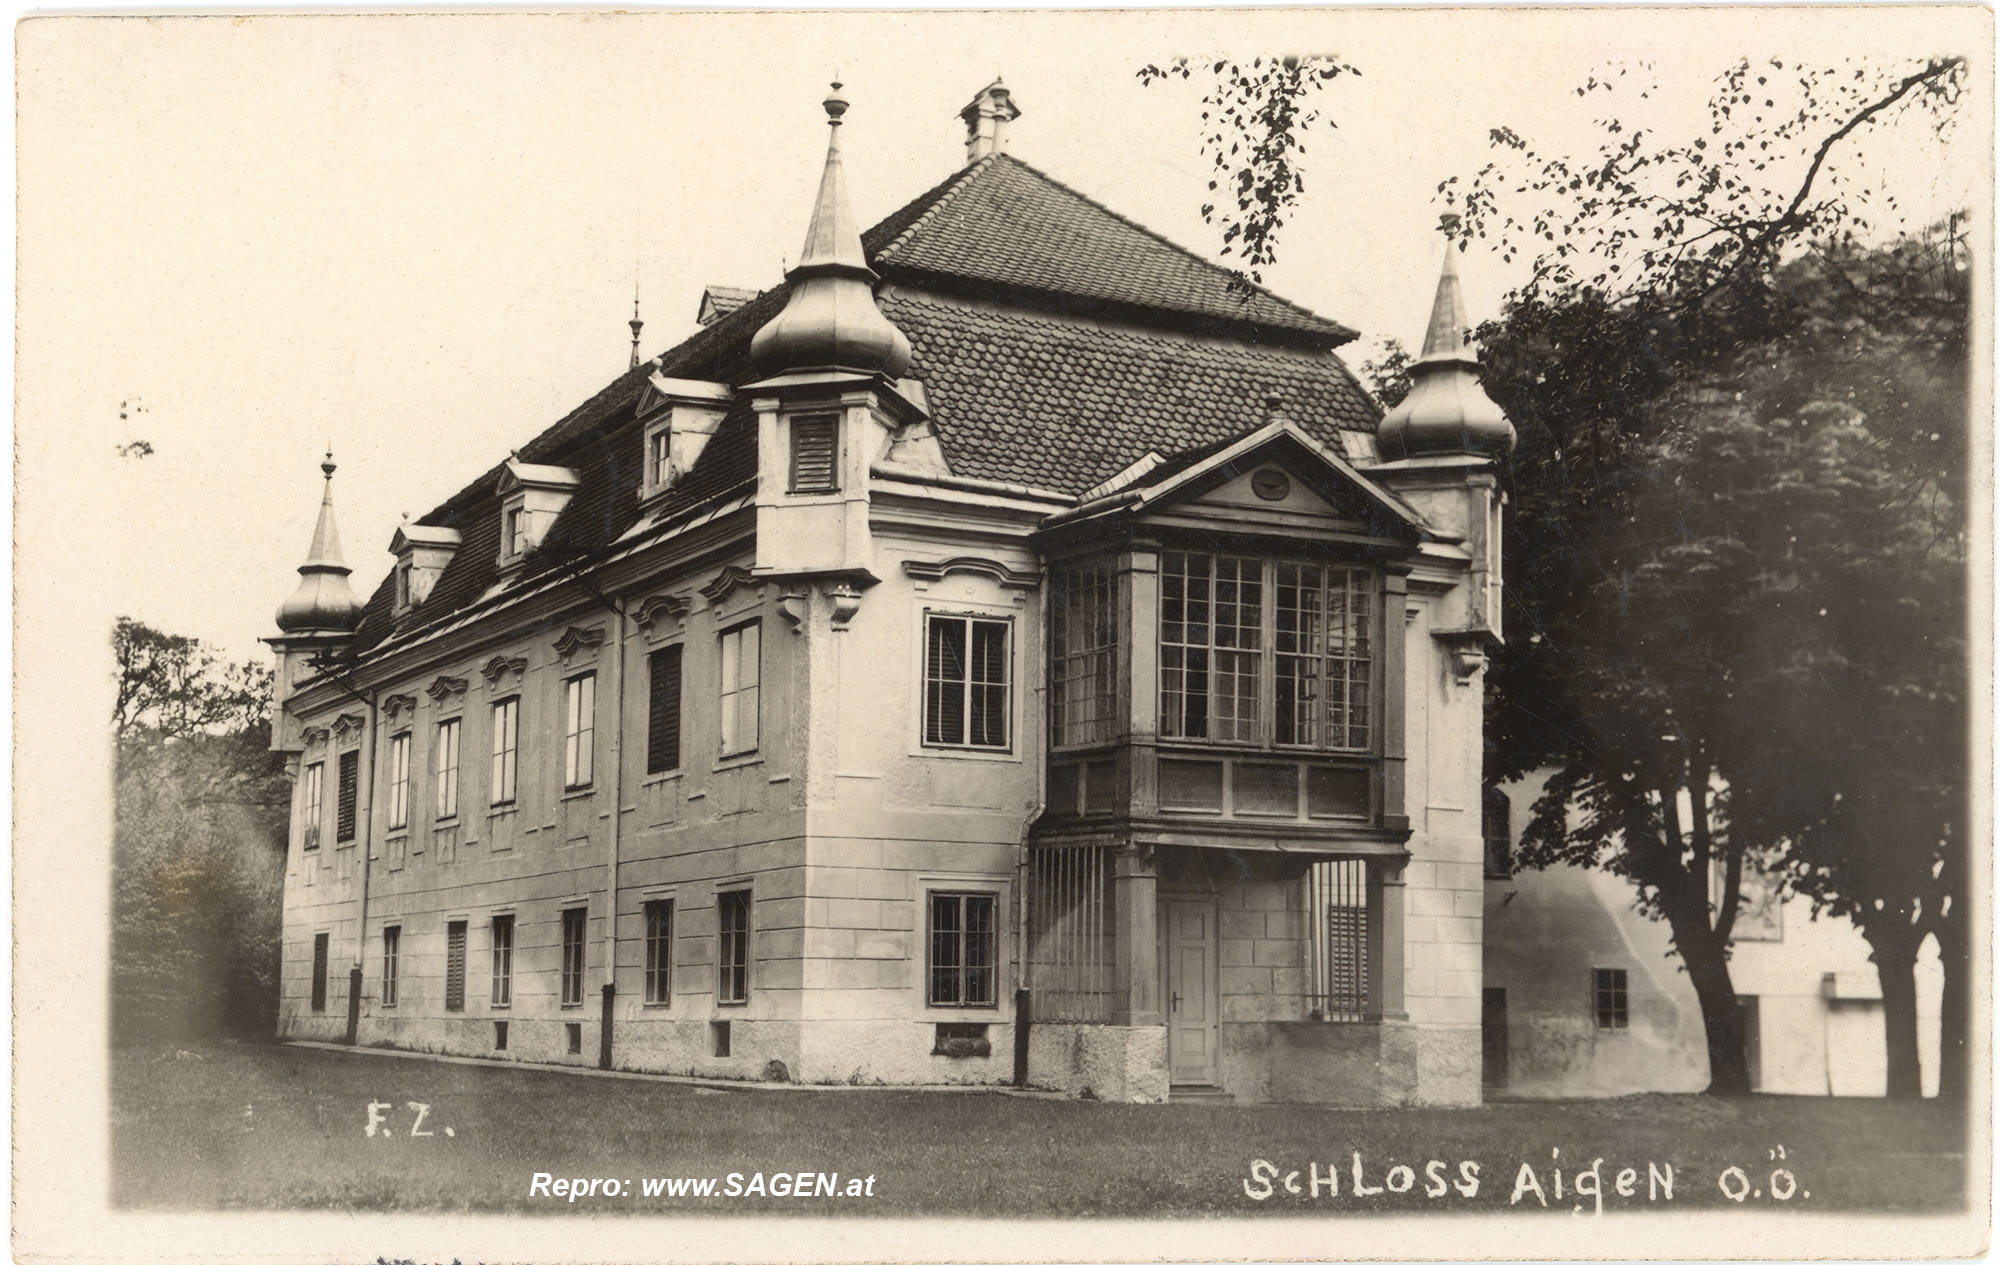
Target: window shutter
(813, 445)
(663, 724)
(350, 776)
(454, 966)
(319, 971)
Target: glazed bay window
(741, 658)
(506, 740)
(311, 805)
(399, 782)
(1264, 653)
(965, 681)
(444, 769)
(1083, 654)
(579, 724)
(964, 941)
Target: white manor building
(1009, 650)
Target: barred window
(572, 955)
(1324, 657)
(963, 948)
(659, 952)
(399, 782)
(392, 951)
(579, 725)
(965, 681)
(503, 959)
(732, 916)
(1211, 646)
(1083, 658)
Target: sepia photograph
(1291, 634)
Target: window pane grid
(659, 952)
(1613, 1010)
(445, 765)
(579, 723)
(399, 781)
(966, 681)
(740, 669)
(506, 735)
(572, 956)
(1083, 630)
(1211, 646)
(503, 960)
(311, 806)
(732, 983)
(392, 949)
(963, 948)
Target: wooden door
(1193, 1030)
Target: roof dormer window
(680, 416)
(531, 499)
(422, 553)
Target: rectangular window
(663, 711)
(319, 972)
(350, 780)
(311, 805)
(517, 532)
(1496, 824)
(1342, 941)
(503, 959)
(454, 966)
(1083, 654)
(964, 941)
(399, 782)
(403, 585)
(1211, 646)
(572, 955)
(741, 653)
(579, 724)
(815, 449)
(732, 913)
(1612, 1008)
(1324, 654)
(660, 460)
(392, 951)
(965, 681)
(444, 769)
(659, 952)
(506, 737)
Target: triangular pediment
(1275, 477)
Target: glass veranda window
(1083, 663)
(1323, 648)
(1211, 646)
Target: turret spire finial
(323, 602)
(635, 323)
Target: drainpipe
(617, 820)
(365, 797)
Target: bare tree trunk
(1708, 970)
(1895, 954)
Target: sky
(416, 239)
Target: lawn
(287, 1127)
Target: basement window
(962, 1041)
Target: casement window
(1083, 654)
(399, 782)
(444, 768)
(660, 458)
(517, 532)
(506, 739)
(392, 952)
(1266, 653)
(741, 668)
(815, 454)
(663, 710)
(1612, 1001)
(344, 805)
(659, 952)
(402, 586)
(964, 943)
(503, 959)
(732, 919)
(319, 972)
(579, 723)
(311, 805)
(572, 955)
(454, 966)
(965, 681)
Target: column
(1135, 905)
(1395, 692)
(1386, 937)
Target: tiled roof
(1054, 403)
(1001, 223)
(1021, 390)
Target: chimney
(986, 119)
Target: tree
(197, 843)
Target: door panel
(1193, 1032)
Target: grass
(284, 1127)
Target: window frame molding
(494, 801)
(647, 965)
(312, 805)
(392, 953)
(931, 893)
(582, 909)
(726, 757)
(969, 614)
(577, 760)
(499, 969)
(746, 890)
(923, 885)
